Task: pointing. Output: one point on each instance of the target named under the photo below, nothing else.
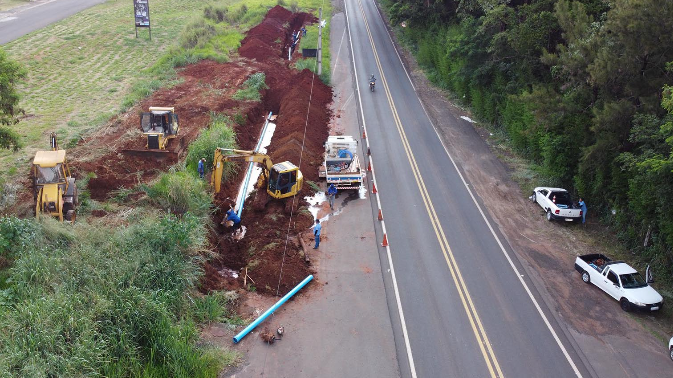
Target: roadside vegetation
(117, 296)
(579, 89)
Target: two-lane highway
(38, 14)
(468, 310)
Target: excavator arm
(223, 155)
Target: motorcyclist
(372, 79)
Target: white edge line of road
(403, 323)
(502, 248)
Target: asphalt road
(38, 14)
(467, 311)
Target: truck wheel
(586, 277)
(549, 215)
(670, 353)
(625, 304)
(532, 198)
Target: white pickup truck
(341, 166)
(557, 204)
(620, 281)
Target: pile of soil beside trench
(270, 250)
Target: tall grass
(179, 192)
(219, 134)
(90, 301)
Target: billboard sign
(142, 12)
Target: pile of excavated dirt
(270, 249)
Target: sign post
(141, 9)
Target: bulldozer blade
(156, 154)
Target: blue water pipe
(241, 199)
(272, 309)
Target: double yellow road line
(461, 287)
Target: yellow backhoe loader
(54, 187)
(282, 180)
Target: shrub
(179, 192)
(196, 34)
(219, 134)
(251, 88)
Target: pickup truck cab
(620, 281)
(557, 204)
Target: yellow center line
(468, 305)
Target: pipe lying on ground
(272, 309)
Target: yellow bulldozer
(283, 180)
(54, 188)
(159, 125)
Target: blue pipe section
(241, 199)
(272, 309)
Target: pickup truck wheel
(549, 215)
(532, 198)
(625, 304)
(586, 277)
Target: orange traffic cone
(385, 241)
(364, 136)
(374, 191)
(380, 215)
(369, 166)
(369, 151)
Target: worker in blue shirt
(201, 168)
(316, 232)
(583, 207)
(232, 216)
(331, 193)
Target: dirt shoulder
(615, 343)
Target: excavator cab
(54, 188)
(285, 180)
(160, 125)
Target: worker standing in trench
(234, 218)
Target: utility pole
(320, 43)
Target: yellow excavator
(159, 125)
(283, 179)
(54, 187)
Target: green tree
(10, 73)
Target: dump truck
(54, 188)
(341, 164)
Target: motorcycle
(371, 85)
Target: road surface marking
(502, 248)
(468, 305)
(405, 333)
